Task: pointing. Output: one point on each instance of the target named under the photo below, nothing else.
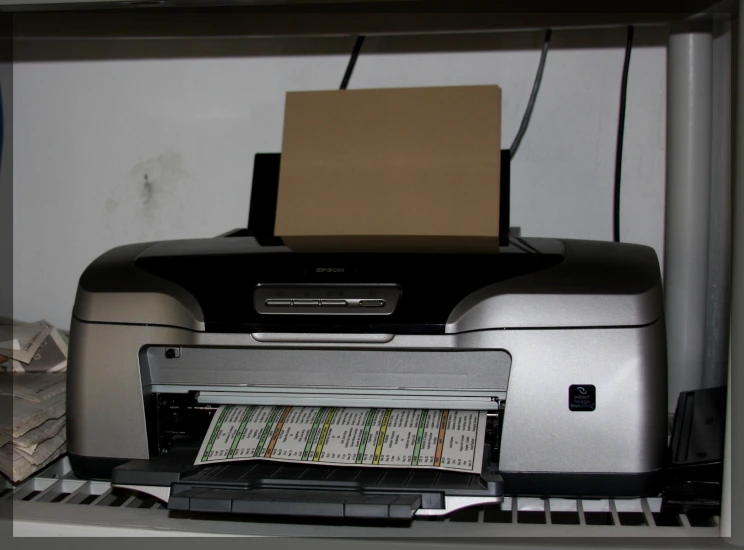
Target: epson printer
(561, 341)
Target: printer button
(278, 303)
(305, 303)
(333, 303)
(371, 303)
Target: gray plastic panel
(113, 290)
(342, 368)
(595, 286)
(107, 418)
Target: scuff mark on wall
(151, 194)
(146, 191)
(156, 180)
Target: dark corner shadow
(52, 49)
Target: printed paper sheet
(402, 438)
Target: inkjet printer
(562, 342)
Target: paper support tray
(296, 490)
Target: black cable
(528, 245)
(531, 103)
(513, 242)
(621, 136)
(352, 62)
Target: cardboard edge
(392, 244)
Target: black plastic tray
(274, 488)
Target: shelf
(240, 18)
(51, 503)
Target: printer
(562, 342)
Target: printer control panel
(326, 299)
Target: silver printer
(561, 341)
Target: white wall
(87, 131)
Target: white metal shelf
(52, 502)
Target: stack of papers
(36, 435)
(33, 365)
(31, 347)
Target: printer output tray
(285, 489)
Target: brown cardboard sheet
(391, 170)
